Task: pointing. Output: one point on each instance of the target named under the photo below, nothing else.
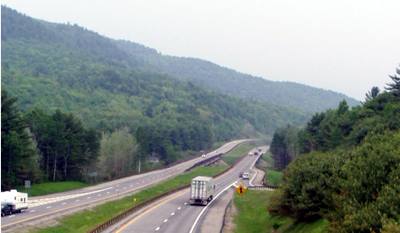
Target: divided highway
(174, 214)
(52, 206)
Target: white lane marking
(179, 208)
(108, 192)
(89, 197)
(12, 216)
(48, 207)
(43, 201)
(157, 229)
(99, 195)
(204, 209)
(32, 211)
(77, 200)
(185, 203)
(64, 203)
(165, 220)
(173, 213)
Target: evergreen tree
(395, 86)
(371, 94)
(18, 155)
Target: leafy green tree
(118, 154)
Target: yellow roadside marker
(241, 189)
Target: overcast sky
(342, 45)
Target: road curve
(174, 215)
(52, 206)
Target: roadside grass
(51, 187)
(234, 155)
(253, 217)
(273, 177)
(85, 220)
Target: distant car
(255, 153)
(245, 176)
(240, 174)
(250, 154)
(203, 155)
(259, 149)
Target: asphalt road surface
(52, 206)
(175, 215)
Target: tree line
(346, 165)
(42, 146)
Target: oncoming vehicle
(13, 202)
(245, 176)
(203, 155)
(201, 190)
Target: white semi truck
(13, 202)
(201, 190)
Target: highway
(52, 206)
(174, 214)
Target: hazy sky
(342, 45)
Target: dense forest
(346, 165)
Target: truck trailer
(201, 190)
(13, 202)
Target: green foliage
(352, 175)
(284, 146)
(66, 147)
(273, 177)
(19, 160)
(118, 154)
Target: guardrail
(131, 210)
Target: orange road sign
(241, 189)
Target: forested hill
(56, 66)
(81, 42)
(346, 165)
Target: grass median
(52, 187)
(231, 157)
(88, 219)
(252, 216)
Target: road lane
(182, 220)
(52, 206)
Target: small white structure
(13, 202)
(201, 190)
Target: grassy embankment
(272, 176)
(253, 217)
(86, 220)
(52, 187)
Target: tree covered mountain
(59, 66)
(75, 39)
